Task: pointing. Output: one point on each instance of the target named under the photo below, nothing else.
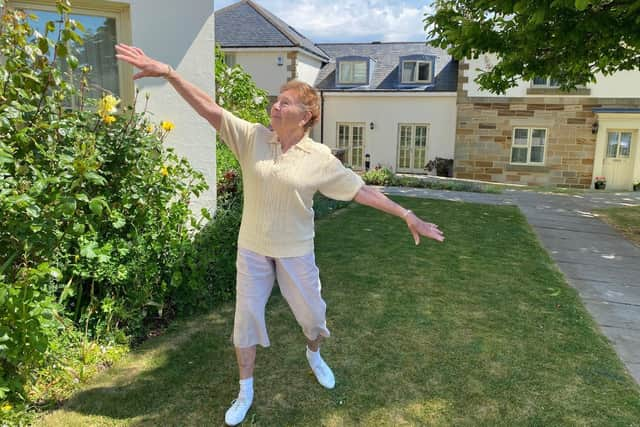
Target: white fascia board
(392, 94)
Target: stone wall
(484, 134)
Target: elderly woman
(282, 168)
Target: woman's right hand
(148, 67)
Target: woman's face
(288, 113)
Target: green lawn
(480, 330)
(625, 219)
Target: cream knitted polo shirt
(277, 218)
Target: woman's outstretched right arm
(202, 103)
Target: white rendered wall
(185, 40)
(387, 111)
(264, 69)
(308, 68)
(624, 84)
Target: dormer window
(416, 72)
(352, 72)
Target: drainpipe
(322, 117)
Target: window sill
(557, 91)
(526, 168)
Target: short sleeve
(236, 133)
(339, 182)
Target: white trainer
(322, 371)
(238, 410)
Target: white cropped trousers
(299, 282)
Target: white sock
(313, 356)
(246, 389)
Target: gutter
(322, 117)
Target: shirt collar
(304, 144)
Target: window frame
(530, 131)
(547, 84)
(353, 62)
(619, 133)
(118, 11)
(417, 65)
(412, 138)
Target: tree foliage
(569, 41)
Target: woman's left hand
(418, 228)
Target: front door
(618, 160)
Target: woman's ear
(307, 117)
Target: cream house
(266, 47)
(536, 134)
(185, 40)
(392, 104)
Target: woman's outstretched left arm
(371, 197)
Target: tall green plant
(93, 208)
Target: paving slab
(612, 292)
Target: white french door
(412, 147)
(351, 139)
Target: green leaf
(68, 206)
(582, 4)
(97, 205)
(94, 178)
(51, 26)
(55, 273)
(88, 250)
(43, 44)
(61, 50)
(5, 157)
(72, 61)
(82, 197)
(33, 211)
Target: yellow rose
(108, 119)
(164, 171)
(6, 407)
(107, 105)
(167, 126)
(150, 128)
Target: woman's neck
(289, 139)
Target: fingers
(426, 229)
(416, 238)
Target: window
(230, 59)
(528, 146)
(416, 72)
(351, 139)
(412, 147)
(545, 82)
(618, 144)
(104, 27)
(352, 72)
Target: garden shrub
(208, 268)
(380, 176)
(93, 207)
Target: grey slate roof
(246, 24)
(386, 75)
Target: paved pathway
(595, 259)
